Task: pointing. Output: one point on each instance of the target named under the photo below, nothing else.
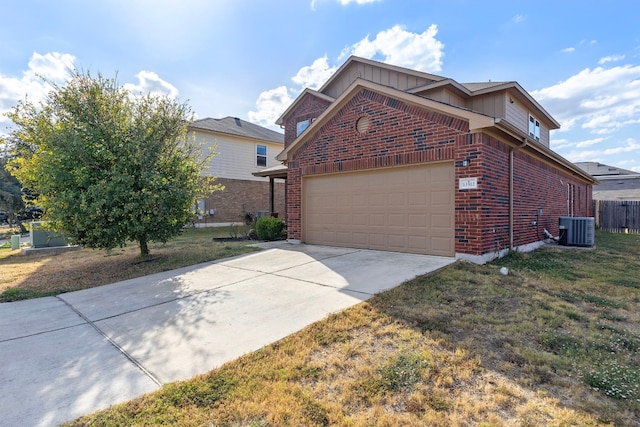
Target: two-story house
(242, 148)
(385, 157)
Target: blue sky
(251, 58)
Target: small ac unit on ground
(577, 231)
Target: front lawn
(23, 277)
(555, 342)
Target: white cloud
(584, 156)
(33, 85)
(345, 2)
(57, 68)
(397, 46)
(313, 76)
(151, 83)
(631, 146)
(557, 144)
(569, 50)
(270, 105)
(612, 58)
(602, 100)
(636, 168)
(518, 18)
(589, 142)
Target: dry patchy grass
(41, 275)
(556, 343)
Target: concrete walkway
(63, 357)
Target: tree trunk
(144, 248)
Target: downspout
(511, 151)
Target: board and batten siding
(446, 96)
(236, 157)
(395, 79)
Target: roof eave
(294, 104)
(516, 133)
(354, 58)
(476, 120)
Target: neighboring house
(242, 148)
(389, 158)
(615, 183)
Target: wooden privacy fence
(618, 216)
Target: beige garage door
(404, 209)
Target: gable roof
(602, 171)
(431, 81)
(469, 90)
(403, 70)
(476, 120)
(299, 99)
(238, 127)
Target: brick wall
(240, 196)
(482, 215)
(401, 134)
(309, 108)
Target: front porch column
(271, 195)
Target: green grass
(555, 342)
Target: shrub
(269, 228)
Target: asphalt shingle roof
(238, 127)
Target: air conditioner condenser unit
(577, 231)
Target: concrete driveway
(66, 356)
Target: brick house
(242, 148)
(389, 158)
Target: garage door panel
(417, 198)
(397, 198)
(417, 244)
(407, 209)
(360, 239)
(397, 220)
(441, 198)
(377, 219)
(441, 246)
(419, 220)
(398, 241)
(359, 219)
(377, 199)
(441, 221)
(343, 219)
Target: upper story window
(261, 155)
(301, 126)
(534, 128)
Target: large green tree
(10, 188)
(109, 167)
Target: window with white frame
(534, 128)
(301, 126)
(261, 155)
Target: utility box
(42, 238)
(577, 231)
